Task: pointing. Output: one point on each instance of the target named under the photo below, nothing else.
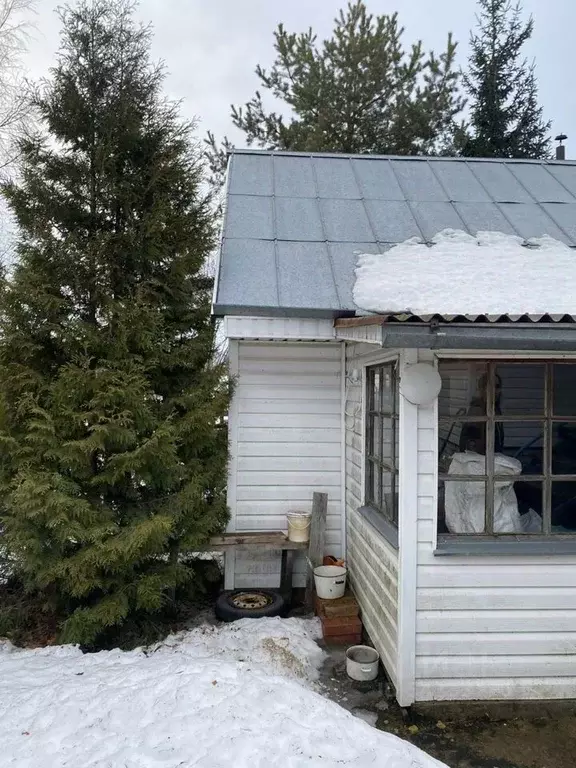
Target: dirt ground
(472, 739)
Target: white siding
(488, 627)
(371, 560)
(287, 443)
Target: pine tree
(359, 91)
(506, 119)
(113, 438)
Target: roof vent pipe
(561, 149)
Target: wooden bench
(267, 541)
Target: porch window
(382, 440)
(507, 447)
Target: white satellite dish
(420, 383)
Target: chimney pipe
(561, 149)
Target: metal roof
(295, 223)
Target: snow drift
(212, 697)
(458, 274)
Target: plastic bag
(465, 501)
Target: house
(467, 586)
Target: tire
(234, 605)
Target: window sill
(470, 546)
(381, 524)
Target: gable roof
(295, 222)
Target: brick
(353, 639)
(343, 606)
(341, 626)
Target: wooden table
(278, 540)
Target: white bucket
(299, 526)
(330, 581)
(362, 662)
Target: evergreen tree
(359, 91)
(113, 441)
(506, 119)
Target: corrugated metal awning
(392, 333)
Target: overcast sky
(211, 47)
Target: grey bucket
(362, 662)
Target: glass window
(382, 440)
(507, 447)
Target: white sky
(211, 47)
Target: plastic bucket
(299, 526)
(362, 662)
(330, 581)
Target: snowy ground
(240, 694)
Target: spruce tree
(505, 117)
(112, 411)
(361, 90)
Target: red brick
(342, 606)
(353, 639)
(341, 626)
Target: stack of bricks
(341, 624)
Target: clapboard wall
(286, 435)
(372, 561)
(492, 627)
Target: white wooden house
(319, 406)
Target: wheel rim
(251, 601)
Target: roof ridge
(420, 158)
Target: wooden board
(253, 539)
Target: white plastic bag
(465, 501)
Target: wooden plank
(317, 540)
(501, 688)
(286, 571)
(534, 571)
(355, 322)
(450, 667)
(264, 540)
(496, 644)
(497, 598)
(410, 450)
(496, 621)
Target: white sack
(465, 501)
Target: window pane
(520, 389)
(563, 449)
(374, 389)
(456, 462)
(520, 440)
(463, 388)
(375, 439)
(373, 483)
(564, 506)
(529, 499)
(387, 447)
(389, 505)
(564, 389)
(472, 436)
(462, 506)
(387, 385)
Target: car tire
(249, 604)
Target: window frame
(375, 463)
(547, 418)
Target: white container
(362, 662)
(299, 526)
(330, 581)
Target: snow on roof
(459, 274)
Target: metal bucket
(330, 581)
(362, 662)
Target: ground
(462, 736)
